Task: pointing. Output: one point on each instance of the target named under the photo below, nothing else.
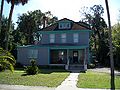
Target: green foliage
(99, 37)
(16, 2)
(91, 65)
(4, 23)
(116, 43)
(29, 23)
(7, 61)
(13, 3)
(33, 69)
(116, 35)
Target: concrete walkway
(70, 82)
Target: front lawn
(96, 80)
(47, 77)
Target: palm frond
(7, 60)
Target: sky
(64, 8)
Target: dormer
(64, 24)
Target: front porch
(70, 58)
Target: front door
(75, 56)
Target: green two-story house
(64, 43)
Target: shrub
(33, 69)
(1, 68)
(91, 65)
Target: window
(32, 53)
(75, 37)
(64, 25)
(52, 38)
(63, 38)
(68, 25)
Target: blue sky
(64, 8)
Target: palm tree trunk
(111, 48)
(1, 11)
(9, 24)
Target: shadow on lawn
(48, 71)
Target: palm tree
(111, 47)
(13, 3)
(7, 61)
(1, 11)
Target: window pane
(63, 35)
(32, 53)
(52, 35)
(75, 40)
(75, 37)
(63, 38)
(52, 38)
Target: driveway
(105, 70)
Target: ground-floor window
(32, 53)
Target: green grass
(96, 80)
(50, 78)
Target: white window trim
(75, 37)
(52, 38)
(63, 38)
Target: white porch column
(67, 65)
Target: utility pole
(111, 48)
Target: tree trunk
(1, 11)
(9, 24)
(111, 48)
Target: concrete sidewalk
(22, 87)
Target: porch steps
(76, 67)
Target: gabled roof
(74, 26)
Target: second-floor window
(75, 37)
(63, 37)
(52, 38)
